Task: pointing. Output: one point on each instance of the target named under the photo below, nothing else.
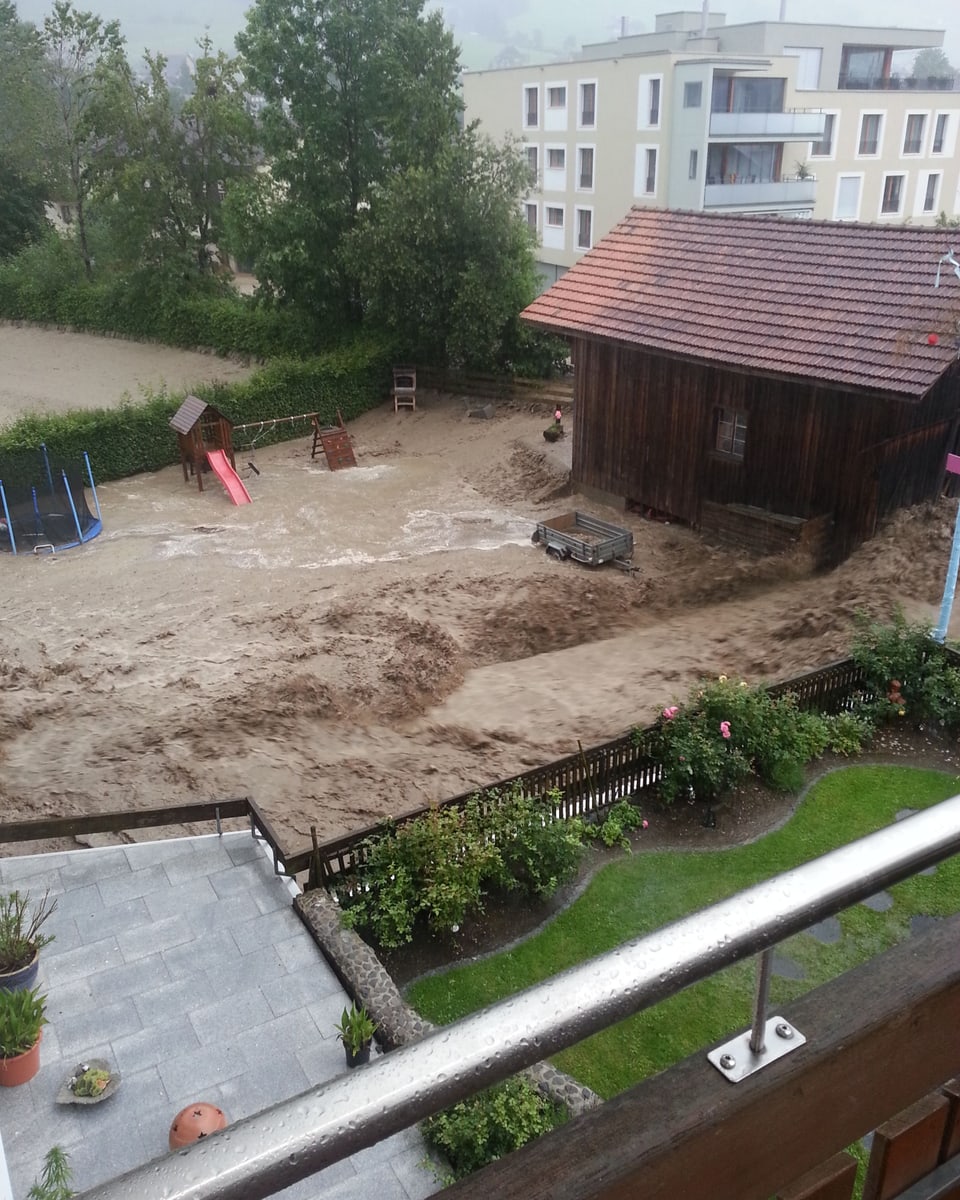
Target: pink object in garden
(953, 464)
(725, 728)
(671, 712)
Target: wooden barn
(767, 381)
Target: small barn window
(731, 432)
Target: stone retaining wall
(364, 976)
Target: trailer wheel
(535, 537)
(556, 552)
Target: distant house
(766, 381)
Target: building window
(913, 134)
(692, 95)
(940, 133)
(848, 198)
(692, 169)
(556, 97)
(824, 148)
(531, 107)
(554, 217)
(930, 195)
(892, 194)
(869, 134)
(650, 171)
(654, 101)
(584, 228)
(530, 212)
(588, 105)
(533, 162)
(556, 158)
(731, 432)
(585, 169)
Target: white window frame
(831, 157)
(690, 83)
(524, 111)
(553, 179)
(535, 167)
(953, 119)
(738, 422)
(905, 177)
(914, 112)
(640, 171)
(596, 96)
(527, 205)
(576, 182)
(693, 164)
(551, 151)
(859, 176)
(577, 210)
(643, 101)
(554, 237)
(555, 116)
(923, 179)
(870, 112)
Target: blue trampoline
(43, 503)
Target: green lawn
(643, 891)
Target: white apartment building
(777, 117)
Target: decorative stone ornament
(194, 1122)
(90, 1082)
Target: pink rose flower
(671, 712)
(725, 728)
(645, 825)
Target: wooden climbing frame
(335, 443)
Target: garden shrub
(906, 672)
(538, 853)
(490, 1124)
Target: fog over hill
(491, 31)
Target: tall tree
(353, 92)
(28, 158)
(445, 258)
(166, 162)
(82, 52)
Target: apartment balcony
(749, 194)
(894, 83)
(775, 126)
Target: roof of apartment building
(849, 304)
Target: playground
(353, 643)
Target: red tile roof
(852, 305)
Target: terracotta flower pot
(23, 978)
(22, 1067)
(194, 1122)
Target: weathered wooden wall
(644, 427)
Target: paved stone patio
(183, 963)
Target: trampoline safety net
(43, 502)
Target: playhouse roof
(851, 305)
(190, 412)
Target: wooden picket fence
(588, 782)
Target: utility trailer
(587, 539)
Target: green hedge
(45, 283)
(137, 436)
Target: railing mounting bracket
(735, 1060)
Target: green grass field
(643, 891)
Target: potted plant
(22, 1018)
(21, 939)
(356, 1031)
(54, 1181)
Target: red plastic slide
(220, 465)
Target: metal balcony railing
(261, 1155)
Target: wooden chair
(404, 388)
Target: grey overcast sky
(173, 26)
